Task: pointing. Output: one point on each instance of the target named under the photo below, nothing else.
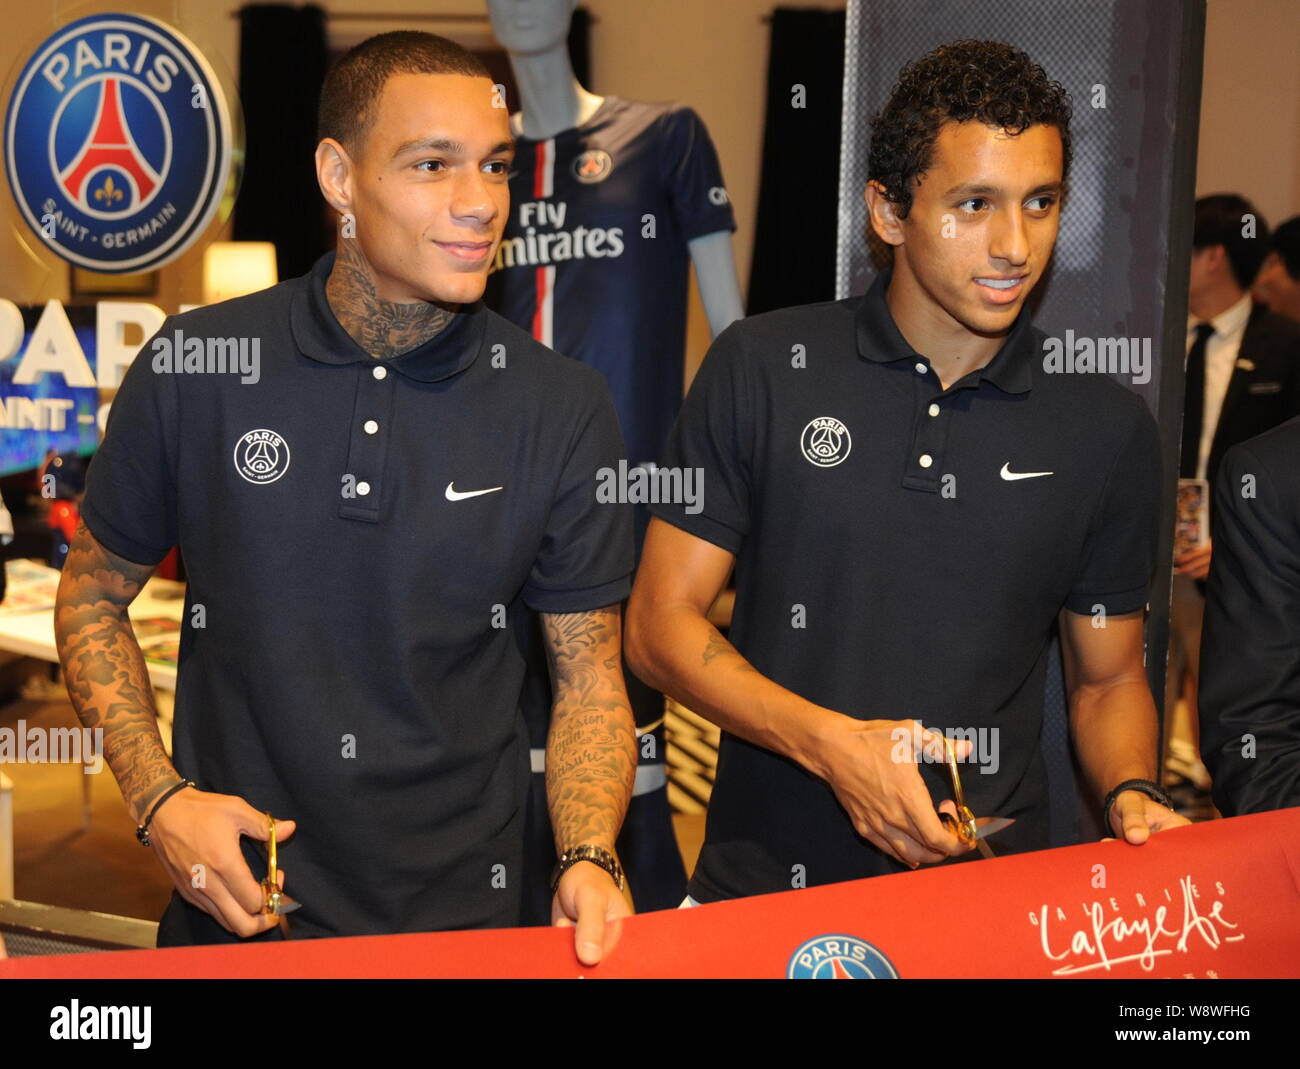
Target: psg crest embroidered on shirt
(839, 957)
(117, 143)
(261, 456)
(825, 441)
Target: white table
(31, 634)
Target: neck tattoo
(382, 328)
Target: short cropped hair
(988, 81)
(352, 88)
(1286, 243)
(1220, 220)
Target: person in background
(1250, 671)
(1278, 282)
(1243, 378)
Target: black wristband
(142, 830)
(1146, 786)
(596, 855)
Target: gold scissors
(965, 825)
(275, 901)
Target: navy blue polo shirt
(367, 540)
(902, 553)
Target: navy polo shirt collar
(319, 335)
(880, 341)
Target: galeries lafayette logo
(1144, 927)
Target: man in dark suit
(1250, 673)
(1243, 378)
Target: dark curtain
(282, 59)
(795, 232)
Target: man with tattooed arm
(367, 525)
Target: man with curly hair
(912, 503)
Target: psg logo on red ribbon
(117, 143)
(839, 957)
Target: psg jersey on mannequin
(594, 262)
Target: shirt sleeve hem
(595, 597)
(705, 227)
(116, 542)
(1116, 604)
(701, 526)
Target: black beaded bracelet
(596, 855)
(142, 830)
(1152, 790)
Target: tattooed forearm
(382, 328)
(591, 751)
(104, 668)
(717, 646)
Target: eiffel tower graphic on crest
(109, 144)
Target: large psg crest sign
(117, 143)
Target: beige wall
(711, 54)
(1250, 105)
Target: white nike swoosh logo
(1007, 474)
(459, 495)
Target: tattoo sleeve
(105, 670)
(591, 751)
